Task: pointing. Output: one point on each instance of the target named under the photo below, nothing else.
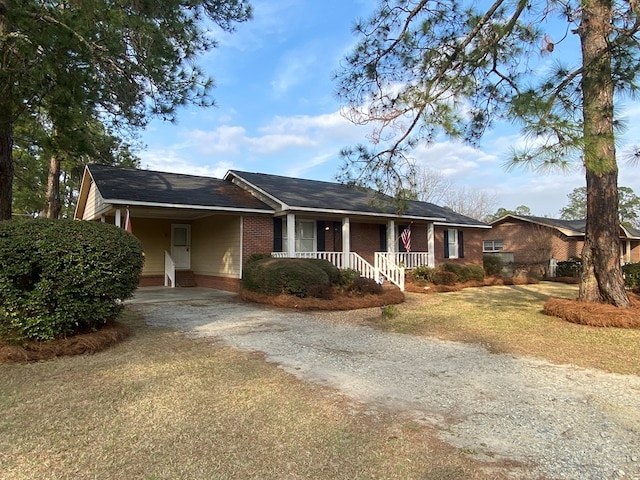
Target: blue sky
(277, 113)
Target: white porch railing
(169, 270)
(408, 260)
(390, 271)
(385, 265)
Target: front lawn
(509, 319)
(160, 405)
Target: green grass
(163, 406)
(508, 319)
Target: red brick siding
(257, 236)
(151, 281)
(524, 239)
(219, 283)
(365, 239)
(472, 244)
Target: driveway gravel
(562, 421)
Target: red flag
(406, 238)
(127, 222)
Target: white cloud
(173, 162)
(222, 140)
(269, 144)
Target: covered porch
(353, 244)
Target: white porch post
(291, 235)
(346, 241)
(118, 218)
(431, 246)
(391, 236)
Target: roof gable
(570, 228)
(132, 186)
(314, 195)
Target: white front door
(181, 246)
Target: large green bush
(569, 268)
(59, 277)
(631, 273)
(492, 264)
(294, 276)
(465, 273)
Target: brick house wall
(257, 236)
(365, 239)
(472, 242)
(532, 243)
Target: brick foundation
(207, 281)
(219, 283)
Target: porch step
(185, 278)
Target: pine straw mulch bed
(80, 344)
(416, 286)
(389, 296)
(595, 314)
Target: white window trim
(493, 245)
(454, 248)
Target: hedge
(631, 272)
(60, 277)
(301, 277)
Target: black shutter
(383, 238)
(446, 244)
(460, 244)
(277, 234)
(320, 234)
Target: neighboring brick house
(533, 242)
(201, 230)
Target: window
(492, 245)
(453, 243)
(305, 235)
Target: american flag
(406, 238)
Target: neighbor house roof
(570, 228)
(129, 186)
(296, 194)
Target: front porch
(389, 266)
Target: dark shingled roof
(576, 227)
(313, 194)
(299, 193)
(132, 185)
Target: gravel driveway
(564, 421)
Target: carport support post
(346, 242)
(118, 217)
(291, 235)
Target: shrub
(631, 273)
(254, 257)
(347, 277)
(293, 276)
(492, 264)
(570, 268)
(329, 268)
(60, 277)
(464, 273)
(443, 277)
(365, 286)
(423, 273)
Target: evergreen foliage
(60, 277)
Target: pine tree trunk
(54, 206)
(6, 139)
(6, 166)
(601, 279)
